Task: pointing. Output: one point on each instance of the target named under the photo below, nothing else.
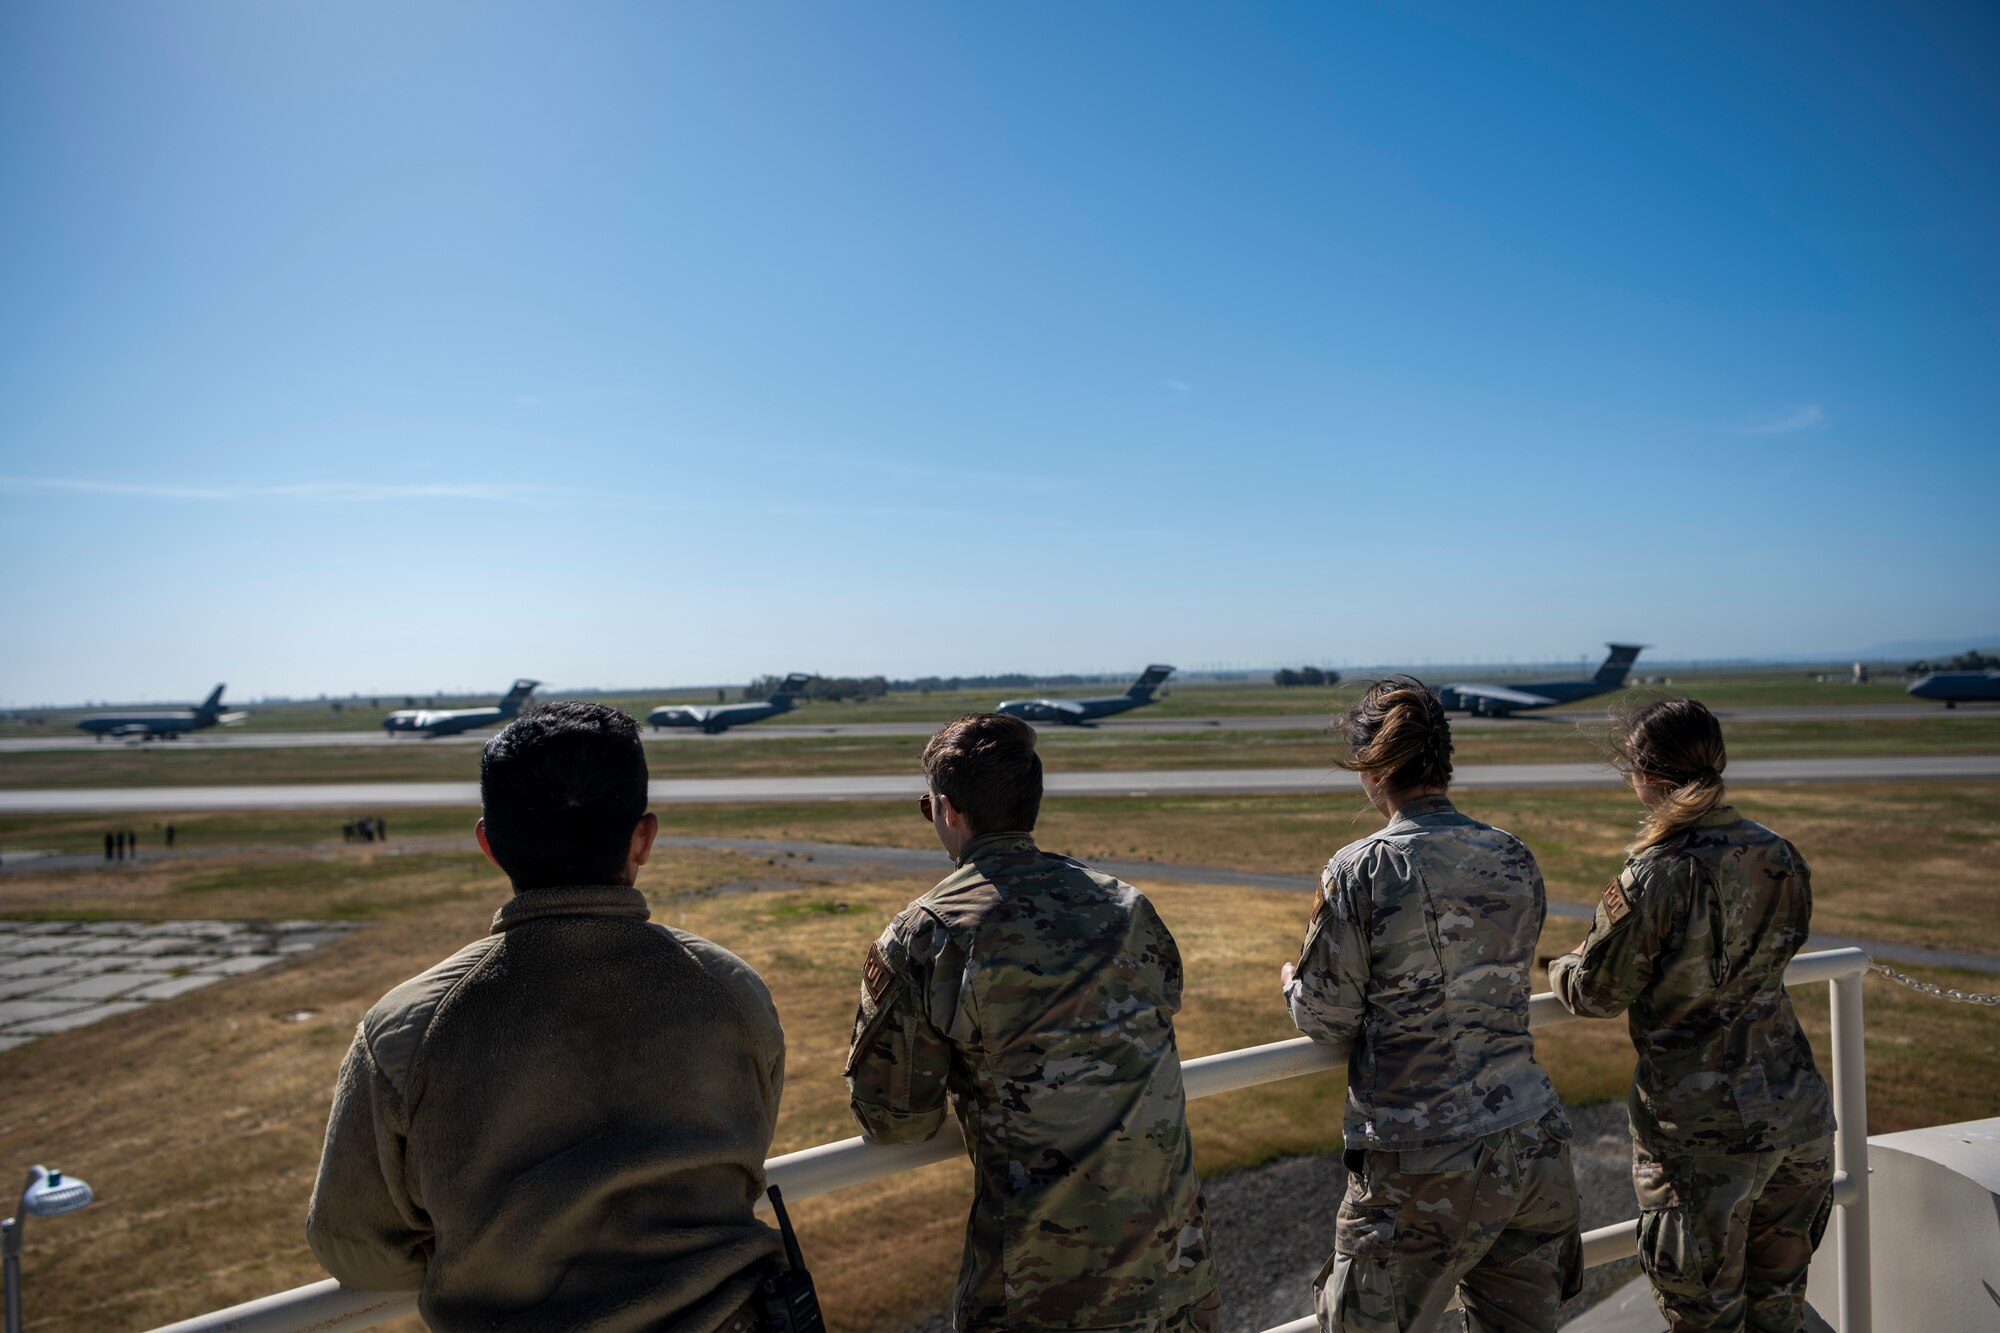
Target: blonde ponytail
(1675, 744)
(1398, 731)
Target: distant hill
(1902, 649)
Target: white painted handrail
(323, 1307)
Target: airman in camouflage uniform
(1040, 995)
(1417, 964)
(1731, 1121)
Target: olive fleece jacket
(561, 1126)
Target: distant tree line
(1014, 680)
(823, 689)
(1971, 660)
(1286, 678)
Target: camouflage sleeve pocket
(881, 986)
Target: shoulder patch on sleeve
(1323, 896)
(1617, 906)
(876, 974)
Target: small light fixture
(47, 1194)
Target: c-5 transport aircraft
(1953, 688)
(163, 726)
(1500, 700)
(1082, 712)
(721, 717)
(451, 721)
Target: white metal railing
(322, 1307)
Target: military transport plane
(1500, 700)
(162, 726)
(1083, 712)
(451, 721)
(721, 717)
(1959, 687)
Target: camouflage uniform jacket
(1417, 963)
(1041, 995)
(1694, 937)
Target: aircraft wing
(230, 719)
(1500, 694)
(1062, 706)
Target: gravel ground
(1274, 1225)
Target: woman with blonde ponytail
(1417, 968)
(1732, 1127)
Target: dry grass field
(199, 1121)
(1917, 863)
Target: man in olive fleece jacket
(564, 1124)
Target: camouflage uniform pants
(1203, 1316)
(1726, 1239)
(1494, 1218)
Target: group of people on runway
(564, 1125)
(368, 828)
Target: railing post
(1850, 1153)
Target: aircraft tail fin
(513, 700)
(1612, 674)
(1150, 680)
(212, 704)
(792, 686)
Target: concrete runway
(773, 731)
(892, 786)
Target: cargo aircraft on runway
(1083, 712)
(162, 726)
(1500, 700)
(451, 721)
(721, 717)
(1953, 688)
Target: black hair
(561, 790)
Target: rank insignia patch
(875, 974)
(1616, 905)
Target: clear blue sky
(394, 347)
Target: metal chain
(1940, 992)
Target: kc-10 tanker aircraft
(163, 726)
(1500, 700)
(451, 721)
(721, 717)
(1082, 712)
(1953, 688)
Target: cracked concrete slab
(59, 975)
(76, 1018)
(103, 986)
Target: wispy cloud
(928, 514)
(315, 492)
(1806, 416)
(1178, 388)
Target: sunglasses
(924, 804)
